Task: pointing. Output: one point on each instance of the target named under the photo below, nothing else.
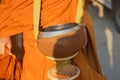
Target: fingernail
(10, 53)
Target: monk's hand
(5, 42)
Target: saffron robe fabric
(16, 16)
(10, 68)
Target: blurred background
(106, 19)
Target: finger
(2, 49)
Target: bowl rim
(45, 34)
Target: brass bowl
(63, 40)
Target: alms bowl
(62, 40)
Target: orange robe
(16, 16)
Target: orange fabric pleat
(58, 12)
(15, 16)
(10, 68)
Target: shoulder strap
(80, 10)
(36, 16)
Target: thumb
(9, 46)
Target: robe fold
(16, 16)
